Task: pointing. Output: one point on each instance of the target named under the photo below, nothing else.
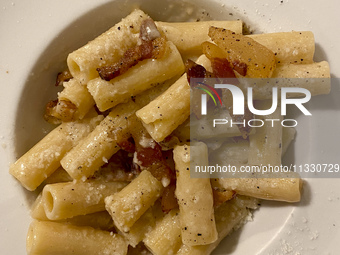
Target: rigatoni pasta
(296, 47)
(101, 51)
(129, 113)
(44, 158)
(229, 216)
(154, 71)
(78, 95)
(128, 205)
(189, 36)
(286, 188)
(144, 225)
(195, 198)
(86, 158)
(165, 237)
(162, 115)
(68, 199)
(45, 237)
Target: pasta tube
(128, 205)
(144, 225)
(56, 238)
(37, 210)
(93, 152)
(66, 200)
(106, 49)
(164, 114)
(44, 158)
(189, 36)
(296, 47)
(107, 94)
(314, 77)
(101, 220)
(286, 189)
(165, 238)
(229, 216)
(162, 122)
(78, 95)
(195, 197)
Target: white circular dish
(35, 39)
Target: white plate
(35, 37)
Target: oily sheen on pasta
(115, 177)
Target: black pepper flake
(185, 228)
(198, 234)
(258, 187)
(188, 168)
(118, 28)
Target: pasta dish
(115, 173)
